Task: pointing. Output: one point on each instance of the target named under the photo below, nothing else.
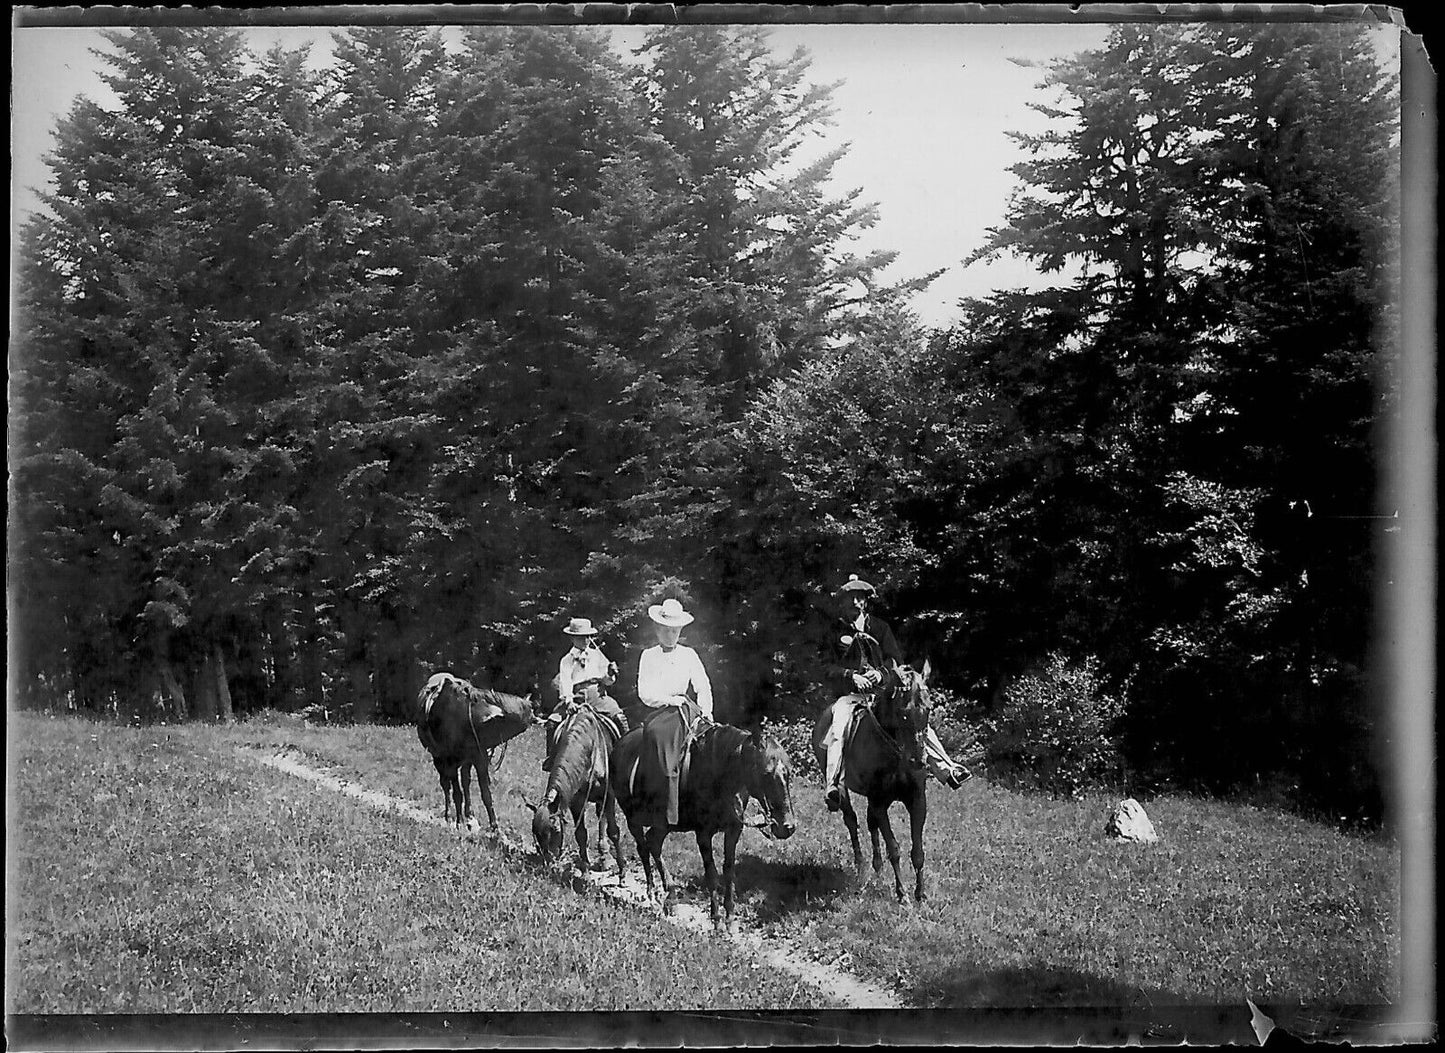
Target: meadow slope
(161, 869)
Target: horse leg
(639, 838)
(455, 785)
(730, 851)
(893, 854)
(655, 838)
(609, 809)
(484, 784)
(917, 814)
(850, 819)
(465, 771)
(579, 820)
(873, 832)
(709, 874)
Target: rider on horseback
(868, 653)
(582, 674)
(666, 674)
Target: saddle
(861, 708)
(697, 730)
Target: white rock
(1127, 822)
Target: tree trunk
(358, 669)
(172, 687)
(205, 689)
(223, 690)
(313, 688)
(284, 692)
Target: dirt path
(852, 992)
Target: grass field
(160, 869)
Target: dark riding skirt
(664, 738)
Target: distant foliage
(1055, 729)
(795, 735)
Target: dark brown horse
(725, 767)
(887, 765)
(460, 725)
(581, 762)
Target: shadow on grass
(786, 887)
(956, 985)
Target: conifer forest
(326, 379)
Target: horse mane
(569, 773)
(724, 738)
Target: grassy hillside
(159, 868)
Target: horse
(460, 725)
(725, 766)
(887, 768)
(579, 774)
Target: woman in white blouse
(665, 676)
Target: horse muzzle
(783, 831)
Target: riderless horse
(725, 766)
(885, 759)
(460, 725)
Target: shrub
(1055, 729)
(795, 735)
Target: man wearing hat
(666, 674)
(868, 651)
(582, 674)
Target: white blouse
(663, 678)
(575, 667)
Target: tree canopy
(328, 379)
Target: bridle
(766, 822)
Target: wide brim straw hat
(580, 627)
(857, 584)
(670, 613)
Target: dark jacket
(861, 654)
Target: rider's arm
(606, 671)
(702, 685)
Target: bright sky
(925, 109)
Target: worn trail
(853, 992)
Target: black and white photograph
(660, 526)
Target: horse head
(769, 782)
(912, 709)
(549, 818)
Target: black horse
(887, 765)
(460, 725)
(725, 767)
(580, 767)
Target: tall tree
(1208, 380)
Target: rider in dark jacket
(867, 652)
